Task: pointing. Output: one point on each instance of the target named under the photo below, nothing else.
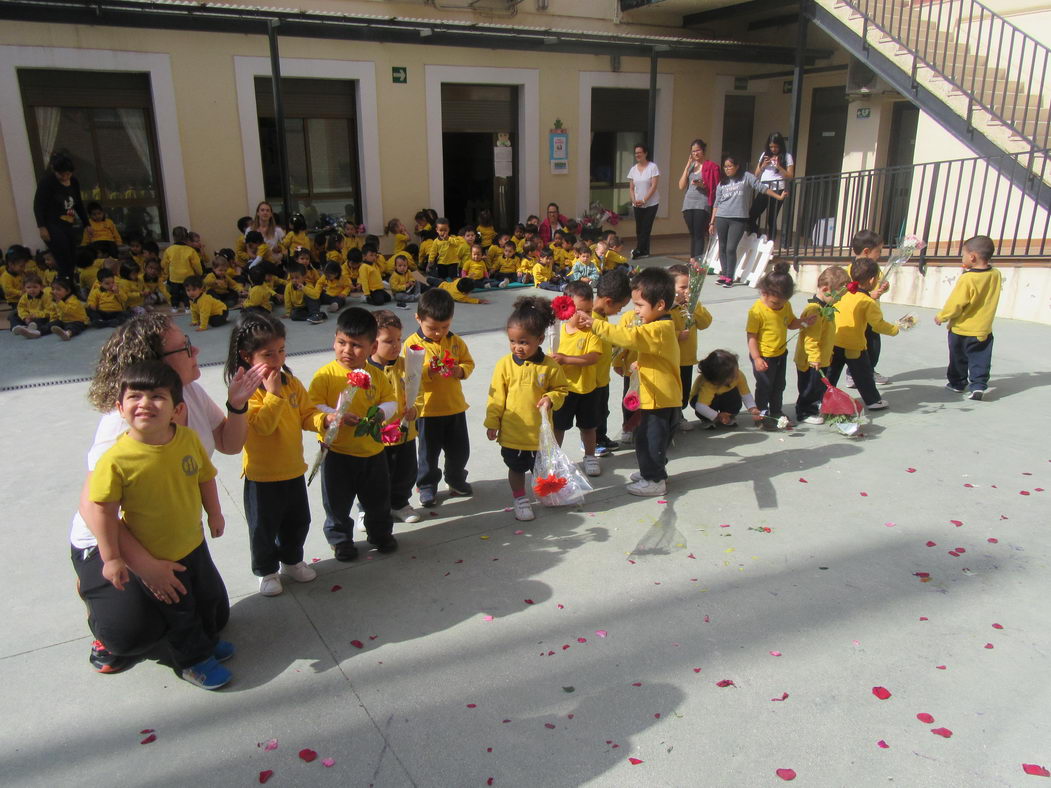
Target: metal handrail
(928, 35)
(943, 202)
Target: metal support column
(279, 119)
(797, 81)
(651, 119)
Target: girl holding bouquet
(524, 383)
(275, 490)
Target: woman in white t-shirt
(643, 179)
(126, 624)
(775, 168)
(265, 223)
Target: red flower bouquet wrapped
(631, 399)
(548, 485)
(557, 480)
(444, 365)
(564, 307)
(359, 379)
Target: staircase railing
(972, 47)
(944, 202)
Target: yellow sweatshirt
(292, 241)
(399, 283)
(517, 386)
(221, 284)
(702, 318)
(441, 396)
(972, 304)
(704, 392)
(395, 372)
(260, 296)
(854, 312)
(296, 298)
(541, 273)
(204, 308)
(770, 327)
(815, 342)
(328, 383)
(475, 270)
(660, 384)
(69, 310)
(273, 450)
(133, 291)
(105, 230)
(336, 287)
(582, 380)
(463, 298)
(105, 301)
(180, 261)
(507, 265)
(157, 287)
(486, 235)
(367, 277)
(401, 240)
(602, 366)
(11, 284)
(34, 308)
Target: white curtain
(134, 121)
(47, 120)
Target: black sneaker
(428, 498)
(316, 318)
(461, 489)
(103, 661)
(388, 545)
(612, 445)
(345, 551)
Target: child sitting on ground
(260, 295)
(720, 390)
(354, 467)
(68, 316)
(584, 268)
(32, 316)
(154, 289)
(403, 282)
(205, 311)
(14, 269)
(523, 384)
(969, 311)
(107, 305)
(441, 408)
(220, 283)
(814, 345)
(100, 229)
(156, 478)
(335, 287)
(301, 299)
(769, 320)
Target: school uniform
(33, 309)
(970, 310)
(517, 386)
(180, 261)
(11, 284)
(107, 309)
(371, 282)
(225, 288)
(154, 293)
(302, 302)
(855, 312)
(814, 346)
(69, 314)
(207, 311)
(260, 297)
(401, 459)
(702, 318)
(405, 287)
(334, 291)
(101, 232)
(444, 257)
(709, 399)
(133, 291)
(771, 328)
(581, 403)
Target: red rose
(359, 379)
(852, 287)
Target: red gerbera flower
(546, 485)
(564, 307)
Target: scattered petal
(939, 667)
(657, 716)
(924, 618)
(960, 550)
(932, 544)
(601, 633)
(529, 601)
(489, 781)
(1035, 770)
(921, 574)
(357, 644)
(636, 683)
(882, 745)
(696, 670)
(472, 705)
(149, 739)
(925, 718)
(662, 501)
(725, 683)
(786, 774)
(270, 745)
(993, 540)
(336, 587)
(945, 733)
(725, 525)
(804, 481)
(988, 645)
(1023, 492)
(561, 607)
(881, 692)
(328, 763)
(144, 731)
(910, 470)
(487, 618)
(519, 533)
(265, 775)
(968, 485)
(954, 554)
(957, 523)
(775, 653)
(307, 754)
(635, 761)
(504, 722)
(890, 525)
(549, 725)
(691, 555)
(784, 696)
(864, 495)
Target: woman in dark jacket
(60, 213)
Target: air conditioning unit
(863, 81)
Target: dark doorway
(899, 170)
(825, 143)
(480, 153)
(738, 126)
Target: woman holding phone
(698, 182)
(775, 168)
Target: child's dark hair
(295, 268)
(253, 237)
(441, 220)
(128, 269)
(332, 268)
(64, 284)
(655, 285)
(18, 254)
(366, 248)
(614, 285)
(679, 269)
(569, 238)
(981, 245)
(719, 367)
(373, 241)
(104, 273)
(777, 281)
(579, 290)
(532, 228)
(865, 239)
(435, 304)
(357, 322)
(152, 247)
(485, 218)
(510, 242)
(465, 284)
(243, 223)
(547, 252)
(413, 249)
(254, 330)
(194, 281)
(532, 314)
(257, 275)
(94, 206)
(863, 269)
(32, 279)
(180, 234)
(386, 319)
(355, 256)
(580, 247)
(297, 223)
(150, 375)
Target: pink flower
(360, 379)
(390, 434)
(631, 400)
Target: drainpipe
(797, 81)
(651, 121)
(279, 116)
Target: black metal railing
(996, 65)
(944, 203)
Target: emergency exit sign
(399, 75)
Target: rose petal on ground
(1035, 770)
(804, 481)
(601, 633)
(890, 525)
(882, 745)
(988, 645)
(724, 525)
(635, 761)
(657, 716)
(957, 523)
(696, 670)
(489, 781)
(725, 683)
(925, 718)
(561, 606)
(939, 667)
(910, 470)
(487, 618)
(968, 485)
(582, 640)
(504, 722)
(998, 626)
(932, 544)
(786, 774)
(519, 533)
(336, 587)
(864, 495)
(993, 540)
(691, 555)
(307, 754)
(149, 739)
(784, 696)
(954, 554)
(565, 646)
(144, 731)
(529, 601)
(661, 501)
(881, 692)
(549, 725)
(959, 550)
(775, 653)
(357, 644)
(636, 684)
(921, 574)
(1023, 492)
(945, 733)
(265, 775)
(328, 763)
(472, 705)
(270, 745)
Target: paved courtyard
(798, 571)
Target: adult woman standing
(775, 168)
(265, 223)
(59, 212)
(699, 180)
(735, 193)
(127, 624)
(643, 179)
(553, 221)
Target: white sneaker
(61, 333)
(22, 331)
(686, 425)
(635, 476)
(503, 283)
(626, 437)
(523, 509)
(270, 585)
(880, 379)
(333, 307)
(647, 489)
(849, 382)
(359, 523)
(814, 420)
(300, 572)
(406, 515)
(881, 405)
(592, 467)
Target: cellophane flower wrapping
(631, 398)
(697, 274)
(346, 399)
(907, 247)
(842, 412)
(414, 355)
(551, 461)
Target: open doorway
(738, 127)
(480, 153)
(902, 145)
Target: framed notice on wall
(558, 149)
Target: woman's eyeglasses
(187, 349)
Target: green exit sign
(399, 75)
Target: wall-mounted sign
(740, 83)
(864, 112)
(399, 75)
(786, 86)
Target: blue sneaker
(209, 674)
(602, 451)
(223, 650)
